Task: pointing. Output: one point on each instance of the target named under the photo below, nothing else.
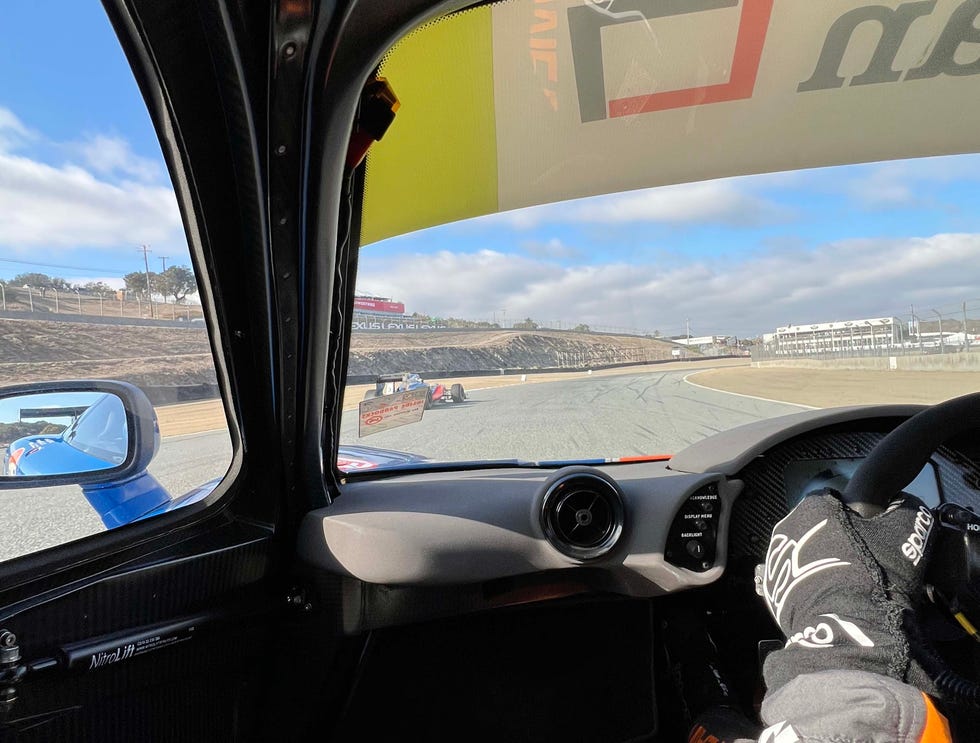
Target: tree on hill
(582, 328)
(98, 287)
(176, 282)
(136, 282)
(33, 280)
(526, 324)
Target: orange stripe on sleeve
(936, 729)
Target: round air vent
(582, 514)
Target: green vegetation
(177, 282)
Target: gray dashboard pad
(430, 529)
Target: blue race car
(94, 440)
(102, 436)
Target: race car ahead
(389, 384)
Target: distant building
(704, 340)
(831, 337)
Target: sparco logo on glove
(916, 543)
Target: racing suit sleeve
(845, 591)
(834, 707)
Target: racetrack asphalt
(650, 412)
(653, 412)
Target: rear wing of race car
(64, 412)
(383, 381)
(383, 378)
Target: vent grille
(582, 515)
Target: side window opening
(96, 283)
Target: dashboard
(408, 547)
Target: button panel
(693, 535)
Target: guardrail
(463, 374)
(179, 393)
(360, 326)
(47, 315)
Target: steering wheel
(954, 570)
(902, 454)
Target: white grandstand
(865, 335)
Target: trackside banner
(534, 101)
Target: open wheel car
(389, 384)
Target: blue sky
(82, 179)
(738, 256)
(83, 184)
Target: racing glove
(845, 590)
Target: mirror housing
(141, 443)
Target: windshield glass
(101, 431)
(598, 232)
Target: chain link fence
(47, 302)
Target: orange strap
(700, 735)
(936, 729)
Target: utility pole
(688, 326)
(163, 262)
(942, 341)
(146, 264)
(966, 338)
(915, 324)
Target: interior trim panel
(451, 528)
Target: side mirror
(88, 433)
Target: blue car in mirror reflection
(101, 436)
(92, 438)
(96, 439)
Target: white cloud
(726, 201)
(748, 295)
(902, 183)
(116, 200)
(113, 156)
(12, 130)
(68, 207)
(553, 248)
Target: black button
(708, 506)
(701, 525)
(695, 548)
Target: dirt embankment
(378, 353)
(32, 350)
(160, 356)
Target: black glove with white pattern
(845, 589)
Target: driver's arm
(832, 707)
(845, 591)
